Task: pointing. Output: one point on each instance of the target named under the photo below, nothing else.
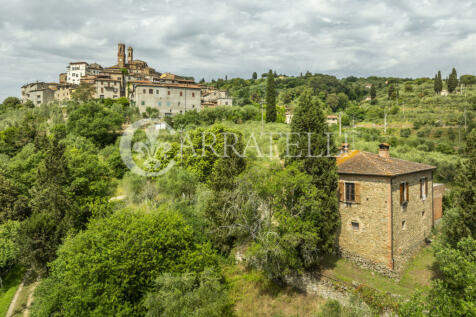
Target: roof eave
(387, 175)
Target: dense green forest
(103, 241)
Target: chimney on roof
(384, 150)
(344, 148)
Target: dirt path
(14, 301)
(26, 312)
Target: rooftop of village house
(365, 163)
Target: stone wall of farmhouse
(371, 241)
(411, 223)
(438, 192)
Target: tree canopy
(270, 98)
(107, 269)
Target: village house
(331, 119)
(132, 78)
(76, 70)
(38, 93)
(168, 98)
(386, 207)
(213, 97)
(63, 92)
(174, 79)
(289, 117)
(104, 86)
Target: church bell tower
(130, 55)
(121, 55)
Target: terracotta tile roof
(75, 63)
(152, 84)
(365, 163)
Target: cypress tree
(254, 76)
(452, 81)
(440, 82)
(373, 92)
(392, 92)
(309, 118)
(270, 98)
(435, 84)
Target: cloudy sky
(212, 39)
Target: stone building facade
(168, 98)
(37, 92)
(386, 207)
(104, 86)
(63, 92)
(213, 97)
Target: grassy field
(255, 295)
(10, 285)
(417, 275)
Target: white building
(75, 71)
(332, 119)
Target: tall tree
(392, 92)
(313, 144)
(309, 129)
(373, 92)
(254, 76)
(270, 98)
(440, 82)
(452, 81)
(453, 292)
(460, 221)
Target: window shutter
(406, 184)
(357, 193)
(341, 191)
(426, 186)
(401, 193)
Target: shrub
(394, 110)
(189, 294)
(405, 133)
(107, 269)
(332, 308)
(8, 246)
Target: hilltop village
(130, 78)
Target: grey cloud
(213, 38)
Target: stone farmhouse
(131, 78)
(386, 208)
